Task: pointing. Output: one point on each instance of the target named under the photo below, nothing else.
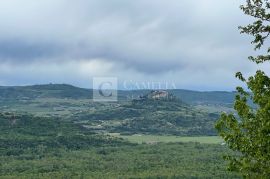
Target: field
(140, 138)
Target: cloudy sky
(194, 44)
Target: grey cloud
(23, 51)
(148, 36)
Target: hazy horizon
(119, 88)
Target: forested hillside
(149, 117)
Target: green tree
(248, 133)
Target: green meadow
(141, 138)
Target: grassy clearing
(140, 138)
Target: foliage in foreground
(249, 132)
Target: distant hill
(211, 97)
(44, 91)
(69, 91)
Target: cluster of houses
(158, 95)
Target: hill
(149, 116)
(72, 92)
(180, 112)
(44, 91)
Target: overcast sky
(194, 44)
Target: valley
(58, 131)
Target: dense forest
(38, 147)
